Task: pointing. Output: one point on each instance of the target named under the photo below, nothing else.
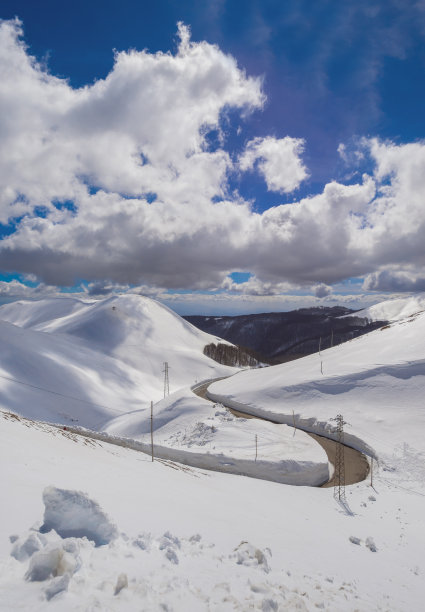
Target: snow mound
(73, 514)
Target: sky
(223, 157)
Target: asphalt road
(355, 463)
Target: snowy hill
(67, 360)
(393, 310)
(376, 382)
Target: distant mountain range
(281, 336)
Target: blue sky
(330, 91)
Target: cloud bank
(117, 182)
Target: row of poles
(339, 475)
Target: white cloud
(278, 160)
(255, 286)
(139, 130)
(138, 136)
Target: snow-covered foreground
(376, 382)
(89, 526)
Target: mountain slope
(98, 359)
(394, 310)
(286, 335)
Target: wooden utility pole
(152, 429)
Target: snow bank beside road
(193, 431)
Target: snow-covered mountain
(67, 360)
(393, 310)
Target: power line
(77, 399)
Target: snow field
(190, 540)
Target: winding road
(356, 463)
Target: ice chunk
(371, 544)
(169, 541)
(171, 556)
(73, 514)
(44, 564)
(247, 554)
(57, 585)
(53, 560)
(25, 547)
(122, 582)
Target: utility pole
(332, 338)
(166, 379)
(320, 344)
(339, 477)
(152, 429)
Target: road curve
(356, 463)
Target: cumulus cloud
(255, 286)
(322, 290)
(278, 160)
(117, 181)
(395, 281)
